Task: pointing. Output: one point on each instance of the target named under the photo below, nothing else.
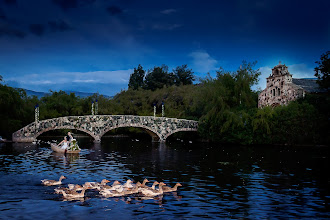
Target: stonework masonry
(97, 125)
(280, 89)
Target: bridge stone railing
(97, 125)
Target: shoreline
(197, 141)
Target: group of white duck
(115, 190)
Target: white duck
(116, 188)
(120, 192)
(97, 185)
(151, 192)
(105, 190)
(75, 187)
(78, 187)
(59, 190)
(116, 184)
(53, 182)
(171, 189)
(110, 193)
(133, 190)
(74, 194)
(128, 184)
(153, 187)
(143, 184)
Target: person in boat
(65, 144)
(70, 138)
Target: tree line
(159, 76)
(225, 106)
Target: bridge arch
(155, 137)
(179, 130)
(97, 125)
(68, 127)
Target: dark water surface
(219, 182)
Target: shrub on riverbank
(16, 110)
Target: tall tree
(183, 75)
(225, 102)
(60, 104)
(136, 78)
(245, 77)
(158, 78)
(12, 111)
(322, 71)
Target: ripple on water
(246, 188)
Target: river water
(219, 182)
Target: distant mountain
(78, 94)
(84, 94)
(34, 93)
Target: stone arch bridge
(97, 125)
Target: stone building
(282, 88)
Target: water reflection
(24, 147)
(67, 159)
(218, 181)
(75, 199)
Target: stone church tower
(281, 88)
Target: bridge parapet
(97, 125)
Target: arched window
(279, 91)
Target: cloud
(77, 80)
(66, 4)
(114, 10)
(37, 29)
(297, 71)
(70, 4)
(2, 15)
(168, 11)
(6, 30)
(166, 27)
(301, 71)
(41, 82)
(203, 62)
(59, 26)
(114, 77)
(85, 81)
(265, 72)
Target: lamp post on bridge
(163, 109)
(92, 108)
(36, 114)
(154, 110)
(96, 107)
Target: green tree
(263, 124)
(297, 123)
(263, 119)
(224, 105)
(322, 71)
(12, 110)
(158, 77)
(136, 78)
(60, 104)
(183, 75)
(245, 77)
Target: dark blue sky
(93, 45)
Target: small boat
(2, 140)
(60, 150)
